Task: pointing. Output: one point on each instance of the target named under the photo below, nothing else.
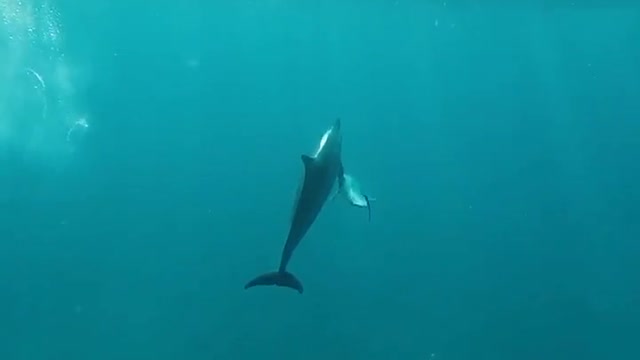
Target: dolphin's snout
(336, 124)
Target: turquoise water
(150, 153)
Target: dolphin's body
(320, 174)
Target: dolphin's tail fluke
(278, 278)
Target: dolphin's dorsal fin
(306, 160)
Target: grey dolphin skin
(321, 171)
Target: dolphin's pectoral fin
(278, 278)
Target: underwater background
(150, 152)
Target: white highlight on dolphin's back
(323, 142)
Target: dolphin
(350, 188)
(321, 171)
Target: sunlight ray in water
(40, 102)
